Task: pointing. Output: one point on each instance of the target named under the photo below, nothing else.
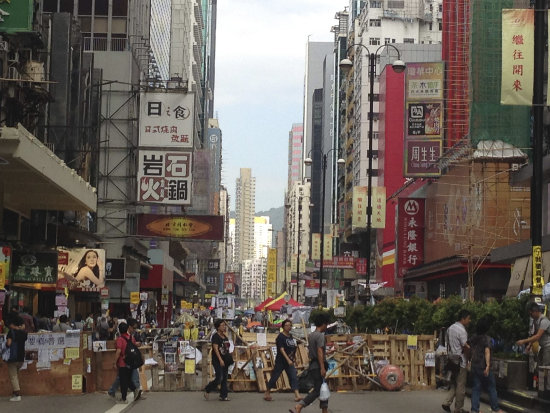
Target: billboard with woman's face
(83, 268)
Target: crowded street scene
(278, 206)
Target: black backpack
(132, 355)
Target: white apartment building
(245, 203)
(402, 23)
(253, 279)
(262, 236)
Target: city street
(386, 402)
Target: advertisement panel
(166, 120)
(5, 259)
(82, 269)
(316, 246)
(327, 247)
(422, 157)
(213, 265)
(16, 16)
(115, 269)
(518, 59)
(165, 177)
(229, 282)
(271, 284)
(425, 119)
(34, 267)
(378, 219)
(206, 227)
(424, 81)
(359, 207)
(410, 234)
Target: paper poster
(77, 382)
(67, 362)
(57, 354)
(99, 346)
(429, 359)
(189, 366)
(72, 338)
(261, 339)
(72, 352)
(412, 342)
(43, 362)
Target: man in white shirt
(457, 346)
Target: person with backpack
(481, 345)
(542, 334)
(15, 341)
(126, 360)
(132, 327)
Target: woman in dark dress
(220, 350)
(286, 357)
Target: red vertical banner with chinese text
(518, 60)
(410, 234)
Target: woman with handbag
(284, 361)
(221, 360)
(15, 342)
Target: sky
(260, 67)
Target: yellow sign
(77, 382)
(378, 218)
(518, 61)
(3, 271)
(179, 227)
(412, 342)
(134, 297)
(538, 282)
(327, 247)
(316, 246)
(271, 284)
(359, 207)
(190, 366)
(72, 353)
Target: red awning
(277, 304)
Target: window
(374, 41)
(440, 26)
(120, 8)
(101, 7)
(396, 4)
(50, 6)
(375, 22)
(387, 40)
(84, 7)
(430, 26)
(376, 4)
(376, 97)
(408, 40)
(441, 8)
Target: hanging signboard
(410, 234)
(34, 267)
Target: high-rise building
(262, 236)
(295, 153)
(245, 204)
(161, 21)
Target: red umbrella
(261, 306)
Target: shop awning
(33, 177)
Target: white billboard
(166, 120)
(165, 177)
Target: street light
(308, 162)
(345, 66)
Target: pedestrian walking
(458, 354)
(542, 334)
(317, 369)
(15, 341)
(482, 376)
(221, 358)
(284, 361)
(124, 371)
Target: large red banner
(410, 234)
(207, 227)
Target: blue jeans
(479, 379)
(280, 366)
(221, 378)
(116, 383)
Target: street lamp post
(299, 243)
(398, 67)
(308, 162)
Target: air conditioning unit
(4, 46)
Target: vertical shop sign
(271, 272)
(410, 234)
(316, 246)
(518, 39)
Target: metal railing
(101, 44)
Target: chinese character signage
(82, 269)
(410, 234)
(518, 33)
(315, 246)
(229, 282)
(165, 177)
(361, 266)
(5, 259)
(422, 157)
(34, 267)
(16, 16)
(424, 119)
(359, 207)
(206, 227)
(271, 272)
(342, 262)
(327, 247)
(213, 265)
(166, 120)
(424, 81)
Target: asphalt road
(426, 401)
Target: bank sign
(410, 234)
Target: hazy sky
(260, 64)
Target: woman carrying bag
(221, 360)
(286, 357)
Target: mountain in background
(276, 217)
